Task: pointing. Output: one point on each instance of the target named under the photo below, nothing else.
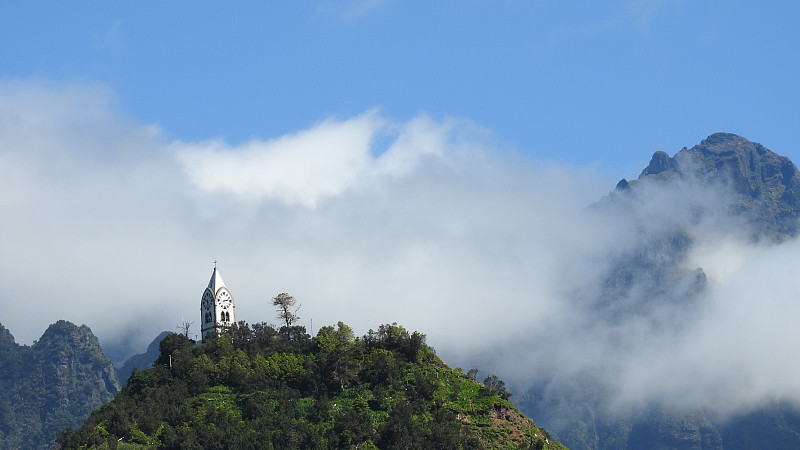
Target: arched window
(208, 317)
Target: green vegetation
(261, 387)
(50, 385)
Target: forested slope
(50, 385)
(258, 387)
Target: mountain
(265, 388)
(724, 186)
(763, 187)
(53, 384)
(725, 180)
(142, 360)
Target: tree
(497, 386)
(184, 327)
(286, 309)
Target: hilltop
(260, 387)
(52, 384)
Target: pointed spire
(216, 280)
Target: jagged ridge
(51, 385)
(756, 194)
(763, 184)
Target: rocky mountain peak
(659, 163)
(723, 139)
(759, 183)
(725, 184)
(50, 385)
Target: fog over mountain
(504, 262)
(696, 308)
(689, 323)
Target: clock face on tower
(224, 298)
(208, 300)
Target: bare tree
(286, 308)
(184, 327)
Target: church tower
(216, 307)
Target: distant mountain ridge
(56, 382)
(727, 184)
(766, 185)
(743, 185)
(53, 384)
(141, 360)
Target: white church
(217, 310)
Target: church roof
(216, 281)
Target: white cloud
(364, 219)
(368, 220)
(312, 165)
(297, 169)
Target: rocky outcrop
(763, 185)
(753, 188)
(51, 385)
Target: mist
(429, 222)
(725, 352)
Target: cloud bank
(427, 222)
(364, 219)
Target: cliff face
(763, 184)
(51, 385)
(725, 182)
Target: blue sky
(584, 83)
(426, 163)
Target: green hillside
(50, 385)
(258, 387)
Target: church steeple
(216, 281)
(217, 309)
